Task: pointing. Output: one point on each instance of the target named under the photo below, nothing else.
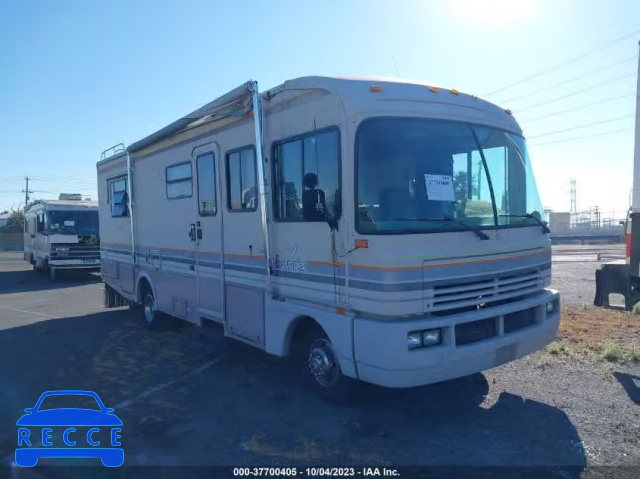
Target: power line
(579, 77)
(587, 105)
(571, 60)
(582, 137)
(609, 120)
(577, 92)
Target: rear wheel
(153, 317)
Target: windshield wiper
(545, 228)
(479, 233)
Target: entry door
(208, 233)
(244, 249)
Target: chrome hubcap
(322, 362)
(149, 307)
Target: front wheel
(320, 366)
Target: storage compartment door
(245, 313)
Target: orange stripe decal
(327, 263)
(445, 265)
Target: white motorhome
(62, 235)
(383, 230)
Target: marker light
(375, 89)
(551, 307)
(454, 91)
(434, 89)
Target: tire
(318, 364)
(154, 319)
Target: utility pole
(573, 213)
(26, 192)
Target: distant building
(559, 222)
(4, 219)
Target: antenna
(395, 64)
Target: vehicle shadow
(188, 398)
(630, 384)
(22, 281)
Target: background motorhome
(62, 235)
(386, 231)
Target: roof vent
(70, 196)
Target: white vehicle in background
(380, 230)
(62, 235)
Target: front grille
(468, 333)
(471, 295)
(519, 319)
(76, 251)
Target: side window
(242, 189)
(40, 222)
(206, 167)
(179, 181)
(307, 178)
(117, 189)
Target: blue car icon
(99, 421)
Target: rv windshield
(72, 222)
(422, 176)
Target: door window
(205, 164)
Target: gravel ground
(573, 271)
(190, 397)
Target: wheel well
(143, 287)
(301, 328)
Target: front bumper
(383, 358)
(74, 264)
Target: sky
(77, 77)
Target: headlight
(414, 340)
(424, 338)
(431, 337)
(62, 250)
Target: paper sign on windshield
(439, 187)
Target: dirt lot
(189, 397)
